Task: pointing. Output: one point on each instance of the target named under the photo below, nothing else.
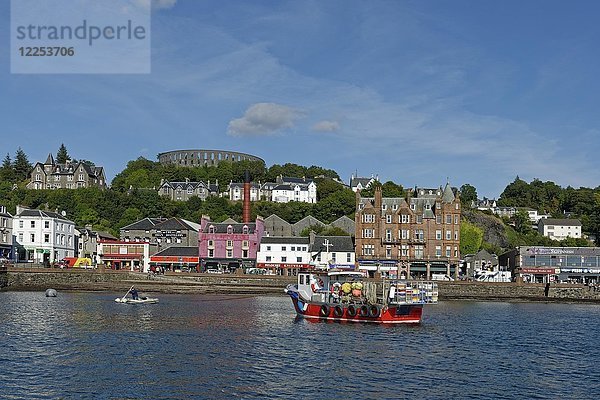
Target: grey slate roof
(340, 244)
(560, 222)
(179, 252)
(177, 224)
(144, 224)
(237, 228)
(41, 213)
(363, 181)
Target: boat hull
(337, 312)
(148, 300)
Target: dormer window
(428, 206)
(211, 229)
(229, 229)
(245, 229)
(413, 206)
(384, 207)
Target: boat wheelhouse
(350, 296)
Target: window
(368, 233)
(388, 219)
(456, 220)
(419, 252)
(293, 248)
(20, 238)
(32, 237)
(419, 234)
(405, 234)
(20, 224)
(395, 207)
(46, 238)
(404, 250)
(384, 207)
(413, 206)
(388, 252)
(438, 219)
(348, 257)
(438, 235)
(419, 219)
(455, 251)
(447, 251)
(283, 248)
(245, 244)
(33, 224)
(229, 229)
(448, 219)
(244, 253)
(283, 259)
(428, 206)
(268, 248)
(368, 249)
(368, 218)
(230, 243)
(211, 229)
(299, 259)
(80, 177)
(210, 243)
(388, 235)
(455, 235)
(438, 251)
(448, 235)
(245, 230)
(268, 258)
(229, 253)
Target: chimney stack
(246, 208)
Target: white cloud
(326, 126)
(263, 119)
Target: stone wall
(92, 280)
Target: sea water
(85, 345)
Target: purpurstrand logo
(89, 33)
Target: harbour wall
(109, 280)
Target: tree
(22, 166)
(7, 172)
(471, 238)
(468, 194)
(62, 156)
(390, 189)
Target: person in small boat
(134, 294)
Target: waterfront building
(201, 158)
(6, 235)
(481, 261)
(161, 233)
(86, 241)
(118, 255)
(550, 264)
(284, 255)
(182, 259)
(332, 252)
(183, 191)
(52, 175)
(560, 228)
(413, 236)
(229, 245)
(43, 237)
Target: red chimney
(246, 209)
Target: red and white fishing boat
(348, 296)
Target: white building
(236, 191)
(559, 229)
(283, 255)
(303, 192)
(357, 183)
(43, 236)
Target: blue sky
(415, 91)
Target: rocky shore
(118, 281)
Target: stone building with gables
(52, 175)
(414, 236)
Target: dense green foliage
(468, 194)
(471, 238)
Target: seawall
(100, 280)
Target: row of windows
(406, 219)
(60, 226)
(228, 253)
(212, 229)
(60, 239)
(292, 248)
(419, 234)
(404, 251)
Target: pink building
(227, 246)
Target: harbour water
(84, 345)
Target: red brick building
(416, 236)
